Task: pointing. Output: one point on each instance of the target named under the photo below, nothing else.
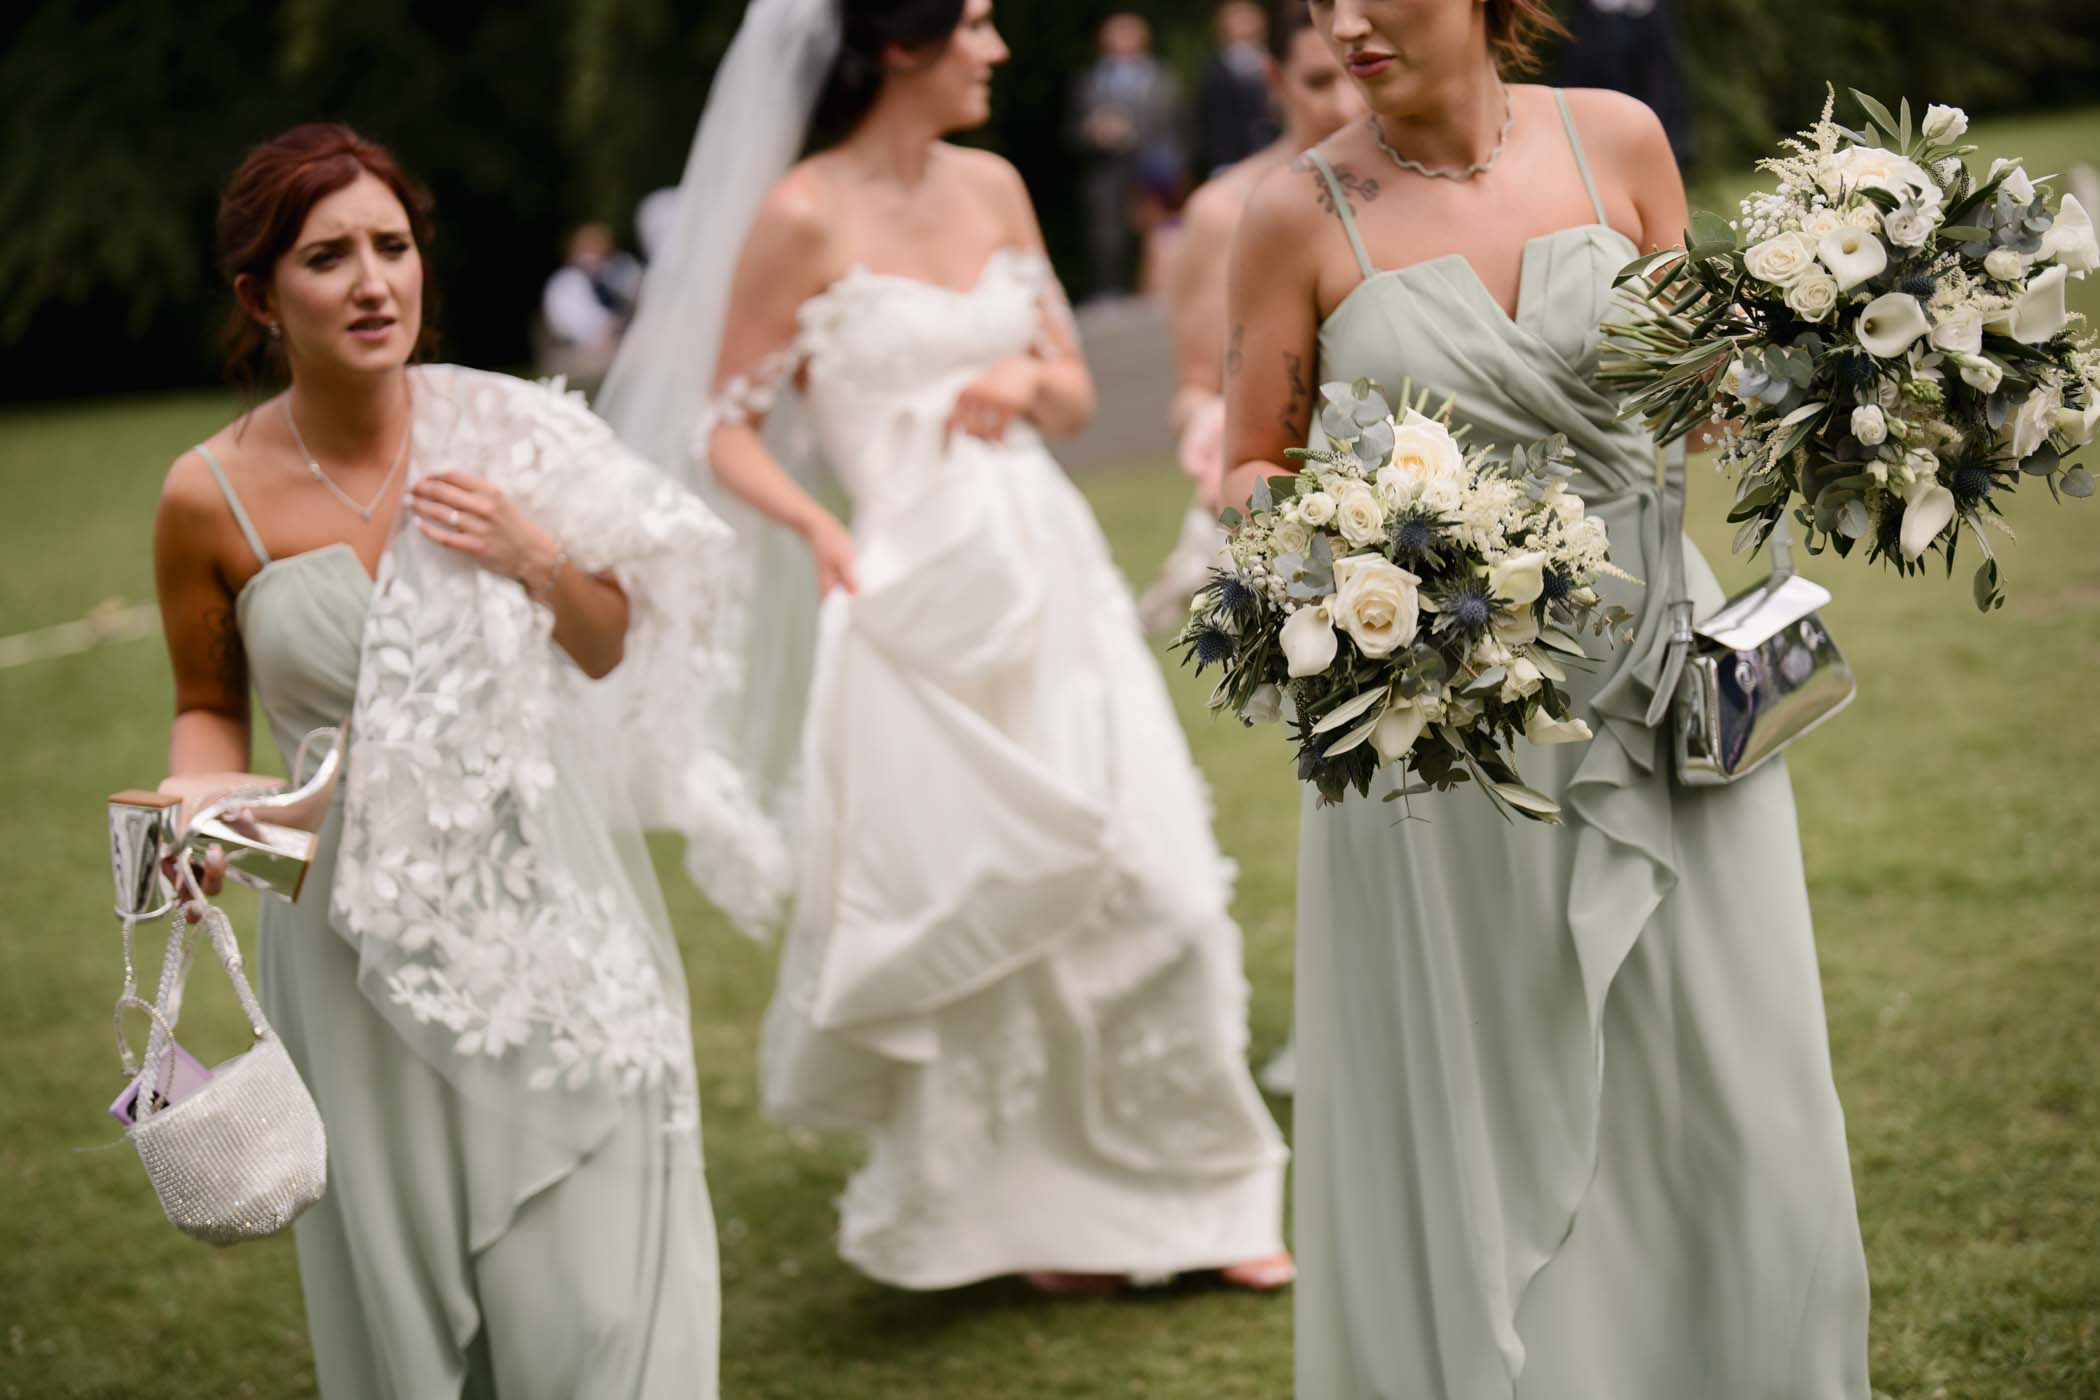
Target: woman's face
(1400, 51)
(1313, 95)
(348, 295)
(956, 80)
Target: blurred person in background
(1125, 117)
(1631, 46)
(586, 306)
(1313, 97)
(1234, 114)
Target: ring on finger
(453, 518)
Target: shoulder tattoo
(1356, 189)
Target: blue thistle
(1919, 284)
(1466, 609)
(1557, 584)
(1213, 647)
(1972, 485)
(1233, 595)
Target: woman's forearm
(742, 462)
(206, 741)
(1064, 398)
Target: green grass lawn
(1960, 929)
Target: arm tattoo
(1300, 402)
(229, 662)
(1233, 350)
(1356, 190)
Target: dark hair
(1286, 18)
(869, 27)
(1515, 30)
(265, 205)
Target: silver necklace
(1437, 172)
(366, 510)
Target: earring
(276, 331)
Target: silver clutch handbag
(239, 1155)
(1743, 683)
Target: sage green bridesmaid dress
(1566, 1128)
(459, 1251)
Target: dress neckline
(860, 272)
(281, 561)
(1513, 319)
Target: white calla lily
(1519, 579)
(1890, 324)
(1959, 329)
(1397, 730)
(1308, 639)
(1927, 507)
(2070, 239)
(2040, 312)
(1543, 729)
(1853, 255)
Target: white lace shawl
(491, 872)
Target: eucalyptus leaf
(2042, 461)
(1353, 738)
(1349, 709)
(1876, 113)
(1526, 799)
(2078, 482)
(1988, 594)
(1487, 680)
(1852, 521)
(1261, 500)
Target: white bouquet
(1885, 333)
(1416, 603)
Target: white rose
(1732, 379)
(1943, 124)
(1781, 260)
(2070, 239)
(1376, 602)
(1864, 216)
(1820, 223)
(2005, 264)
(1543, 729)
(2040, 312)
(1927, 508)
(1910, 225)
(1959, 330)
(1264, 706)
(1358, 515)
(1424, 448)
(2017, 184)
(1852, 255)
(1522, 679)
(1393, 488)
(1290, 537)
(1308, 638)
(1814, 297)
(1980, 373)
(2079, 424)
(1869, 426)
(1872, 167)
(1397, 729)
(1316, 508)
(1519, 579)
(2033, 419)
(1890, 323)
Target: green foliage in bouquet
(1413, 603)
(1886, 336)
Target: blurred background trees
(119, 120)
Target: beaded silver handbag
(239, 1156)
(1740, 685)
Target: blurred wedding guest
(1234, 116)
(478, 982)
(654, 219)
(1313, 97)
(586, 306)
(1125, 114)
(1631, 46)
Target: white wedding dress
(1009, 961)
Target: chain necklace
(1434, 172)
(366, 510)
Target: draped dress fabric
(459, 1251)
(1565, 1124)
(1010, 962)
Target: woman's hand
(198, 791)
(831, 548)
(463, 512)
(1006, 391)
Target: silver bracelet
(544, 594)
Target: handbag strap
(1779, 546)
(166, 1008)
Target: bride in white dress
(1009, 961)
